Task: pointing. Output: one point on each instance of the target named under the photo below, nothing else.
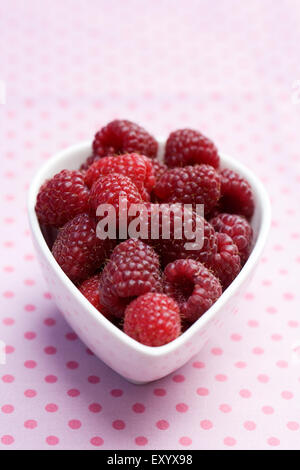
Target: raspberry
(159, 169)
(238, 228)
(122, 136)
(193, 287)
(172, 228)
(90, 289)
(136, 167)
(187, 147)
(132, 270)
(77, 249)
(108, 189)
(236, 194)
(226, 263)
(152, 319)
(199, 184)
(61, 198)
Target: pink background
(225, 67)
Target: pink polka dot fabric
(226, 68)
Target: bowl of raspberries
(146, 245)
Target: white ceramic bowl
(134, 361)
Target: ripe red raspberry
(199, 184)
(193, 286)
(159, 169)
(132, 270)
(176, 233)
(236, 194)
(108, 189)
(238, 228)
(136, 167)
(121, 136)
(61, 198)
(152, 319)
(187, 147)
(77, 249)
(226, 263)
(90, 289)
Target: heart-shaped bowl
(134, 361)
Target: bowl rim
(262, 204)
